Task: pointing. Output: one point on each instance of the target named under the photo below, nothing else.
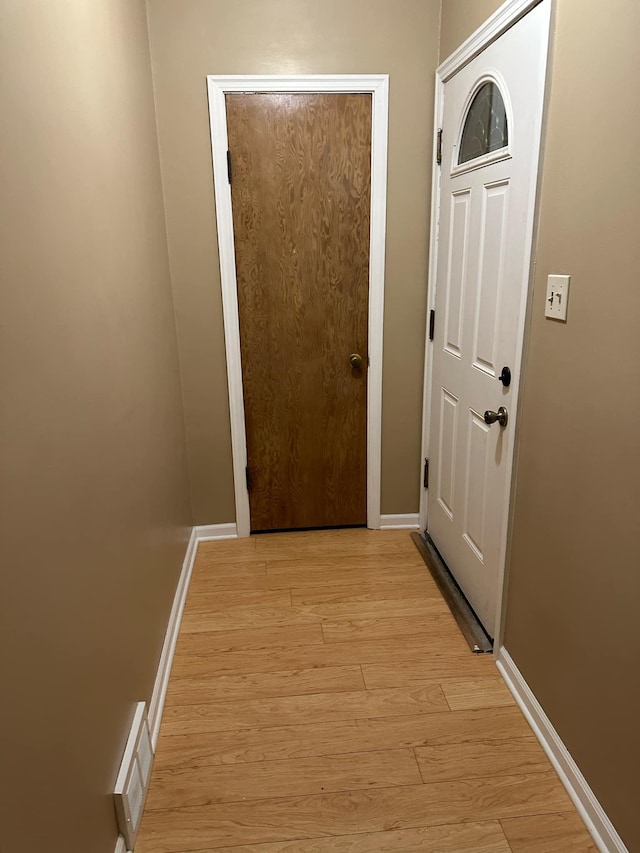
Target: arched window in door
(485, 127)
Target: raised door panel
(460, 207)
(448, 434)
(490, 275)
(478, 450)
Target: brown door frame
(378, 86)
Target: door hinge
(247, 474)
(229, 173)
(425, 476)
(439, 147)
(432, 323)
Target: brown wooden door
(301, 166)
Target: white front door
(490, 148)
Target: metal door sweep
(469, 624)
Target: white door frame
(503, 19)
(377, 85)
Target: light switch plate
(557, 297)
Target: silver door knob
(501, 416)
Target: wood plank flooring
(322, 699)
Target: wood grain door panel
(301, 208)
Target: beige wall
(94, 502)
(574, 587)
(575, 577)
(460, 18)
(194, 38)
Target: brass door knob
(355, 360)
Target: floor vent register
(133, 778)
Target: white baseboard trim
(210, 532)
(206, 533)
(121, 847)
(156, 705)
(410, 521)
(603, 831)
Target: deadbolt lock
(505, 377)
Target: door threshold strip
(308, 529)
(469, 624)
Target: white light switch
(557, 297)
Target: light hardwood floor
(323, 699)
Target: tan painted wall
(194, 38)
(459, 19)
(93, 489)
(574, 589)
(575, 578)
